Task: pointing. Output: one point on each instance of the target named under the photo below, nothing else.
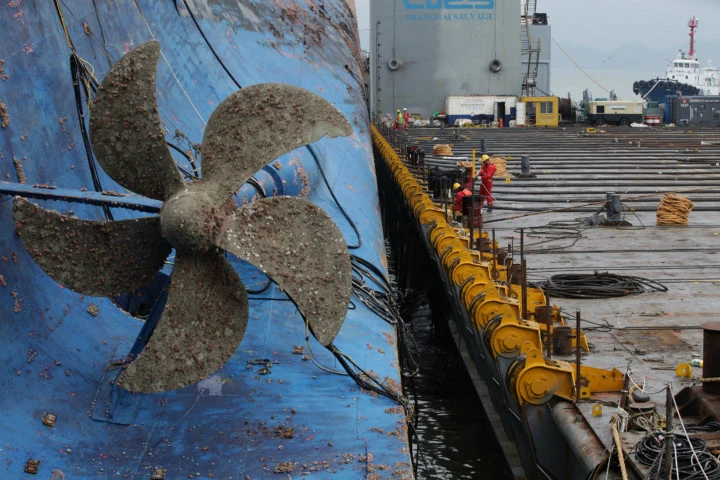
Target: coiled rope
(597, 285)
(442, 149)
(500, 167)
(673, 210)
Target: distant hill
(632, 57)
(627, 57)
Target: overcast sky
(609, 24)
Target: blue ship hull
(267, 411)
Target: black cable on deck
(597, 285)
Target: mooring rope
(673, 210)
(442, 149)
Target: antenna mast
(692, 23)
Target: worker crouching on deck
(399, 120)
(460, 193)
(485, 175)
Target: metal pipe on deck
(584, 444)
(711, 356)
(549, 320)
(578, 382)
(669, 437)
(523, 275)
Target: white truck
(481, 109)
(617, 112)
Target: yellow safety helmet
(485, 157)
(456, 186)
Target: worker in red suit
(485, 175)
(459, 195)
(406, 117)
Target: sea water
(454, 437)
(600, 82)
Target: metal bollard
(525, 165)
(613, 208)
(524, 168)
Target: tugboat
(683, 77)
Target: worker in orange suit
(485, 175)
(406, 117)
(459, 194)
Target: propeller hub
(191, 221)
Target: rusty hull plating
(267, 410)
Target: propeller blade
(201, 327)
(126, 130)
(257, 124)
(299, 246)
(89, 257)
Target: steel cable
(597, 285)
(692, 460)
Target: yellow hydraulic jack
(535, 379)
(447, 239)
(507, 336)
(489, 304)
(427, 212)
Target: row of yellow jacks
(494, 304)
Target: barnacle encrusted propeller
(295, 242)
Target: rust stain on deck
(654, 341)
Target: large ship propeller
(292, 240)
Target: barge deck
(580, 203)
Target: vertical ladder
(527, 48)
(378, 58)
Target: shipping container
(696, 110)
(481, 109)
